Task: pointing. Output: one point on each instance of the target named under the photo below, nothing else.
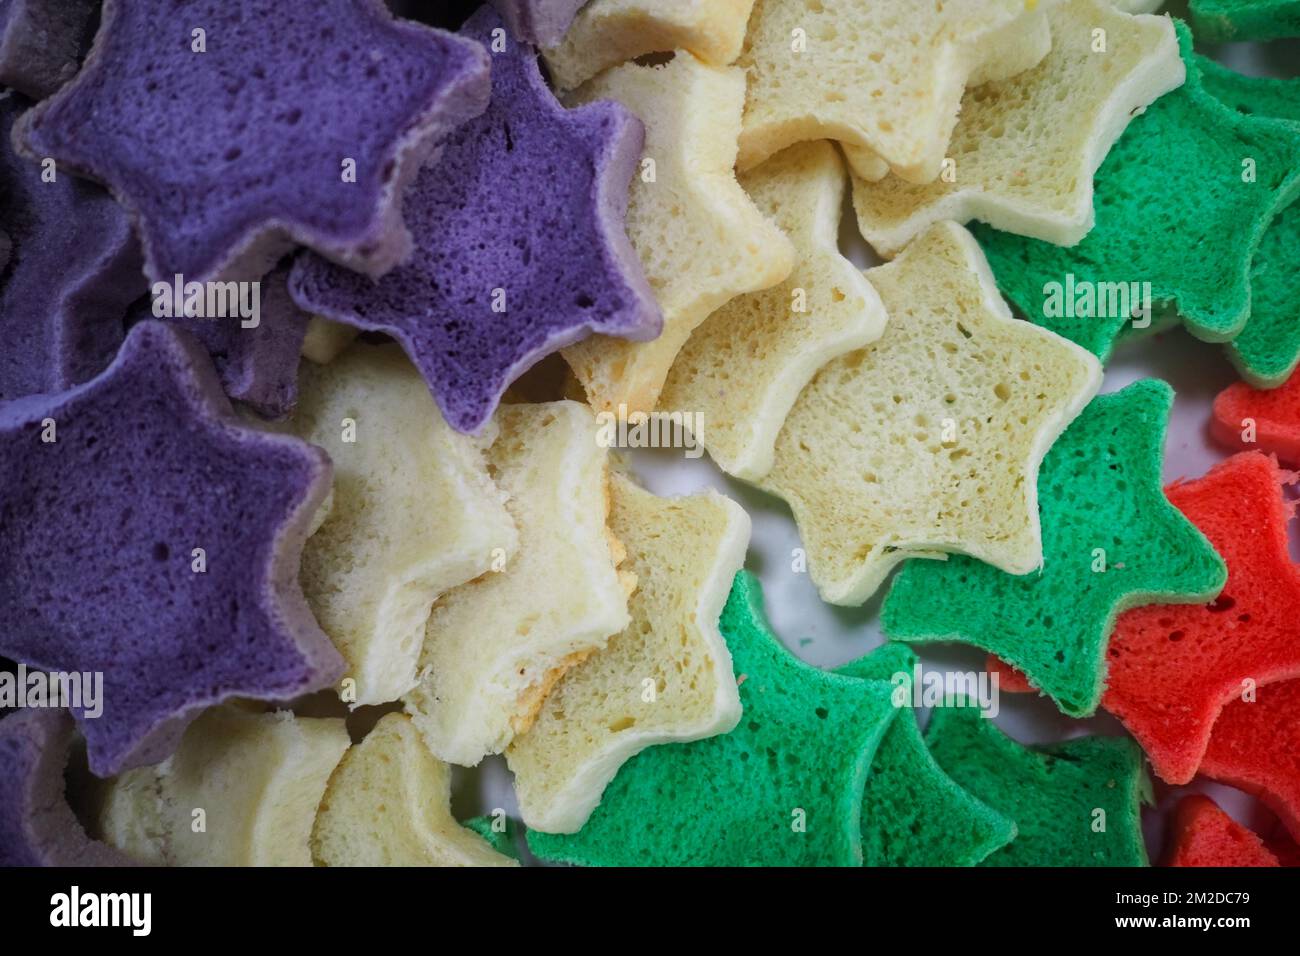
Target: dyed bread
(42, 42)
(539, 22)
(1026, 148)
(388, 803)
(666, 677)
(414, 514)
(493, 648)
(1223, 20)
(886, 78)
(745, 366)
(256, 777)
(701, 239)
(1206, 836)
(1269, 420)
(929, 440)
(606, 33)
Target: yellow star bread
(884, 77)
(667, 677)
(745, 366)
(929, 440)
(1026, 148)
(700, 238)
(606, 33)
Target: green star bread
(1111, 541)
(504, 841)
(914, 814)
(1220, 20)
(1076, 803)
(1173, 208)
(784, 788)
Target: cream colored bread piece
(885, 76)
(1026, 148)
(606, 33)
(929, 440)
(666, 677)
(256, 777)
(388, 803)
(325, 340)
(414, 513)
(491, 644)
(700, 238)
(745, 366)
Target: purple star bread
(539, 22)
(148, 536)
(233, 130)
(519, 242)
(74, 269)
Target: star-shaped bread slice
(74, 267)
(1203, 835)
(784, 788)
(257, 779)
(1236, 173)
(1025, 148)
(744, 367)
(606, 33)
(1232, 20)
(1076, 803)
(519, 243)
(42, 42)
(884, 79)
(1111, 541)
(494, 648)
(37, 825)
(914, 814)
(666, 677)
(147, 534)
(702, 240)
(1256, 418)
(1173, 669)
(539, 22)
(1256, 747)
(388, 803)
(414, 514)
(928, 440)
(160, 113)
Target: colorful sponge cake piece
(702, 240)
(37, 826)
(388, 803)
(252, 780)
(744, 367)
(493, 648)
(783, 788)
(666, 677)
(928, 440)
(1172, 670)
(1253, 418)
(218, 191)
(1074, 804)
(1222, 20)
(606, 33)
(414, 514)
(1110, 541)
(1237, 172)
(885, 79)
(519, 243)
(1206, 836)
(914, 814)
(538, 22)
(1025, 148)
(74, 268)
(111, 567)
(42, 42)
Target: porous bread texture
(606, 33)
(745, 366)
(494, 647)
(929, 440)
(257, 777)
(414, 513)
(886, 77)
(1270, 417)
(325, 340)
(388, 803)
(685, 553)
(700, 238)
(1224, 20)
(1206, 836)
(1026, 148)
